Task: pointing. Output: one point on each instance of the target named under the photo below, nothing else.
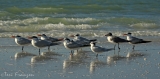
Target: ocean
(88, 17)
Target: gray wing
(43, 43)
(100, 49)
(24, 41)
(53, 39)
(136, 40)
(73, 45)
(82, 41)
(118, 39)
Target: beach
(143, 62)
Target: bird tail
(124, 40)
(93, 40)
(110, 49)
(128, 41)
(53, 44)
(146, 41)
(85, 45)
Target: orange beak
(29, 37)
(125, 34)
(13, 36)
(39, 35)
(61, 39)
(71, 36)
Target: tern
(82, 40)
(72, 45)
(41, 43)
(45, 37)
(134, 40)
(98, 49)
(115, 40)
(21, 41)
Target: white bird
(41, 43)
(71, 45)
(21, 41)
(45, 37)
(82, 40)
(98, 49)
(115, 40)
(134, 40)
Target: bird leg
(133, 47)
(118, 52)
(39, 51)
(22, 48)
(97, 55)
(118, 46)
(114, 51)
(71, 51)
(48, 48)
(114, 46)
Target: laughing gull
(115, 39)
(72, 45)
(45, 37)
(41, 43)
(21, 41)
(98, 49)
(134, 40)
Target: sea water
(88, 17)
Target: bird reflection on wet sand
(44, 56)
(50, 53)
(134, 54)
(23, 54)
(75, 59)
(112, 59)
(40, 58)
(96, 63)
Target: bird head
(109, 34)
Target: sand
(141, 63)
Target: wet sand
(142, 63)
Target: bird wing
(136, 40)
(82, 41)
(118, 39)
(52, 39)
(24, 41)
(99, 49)
(43, 43)
(73, 45)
